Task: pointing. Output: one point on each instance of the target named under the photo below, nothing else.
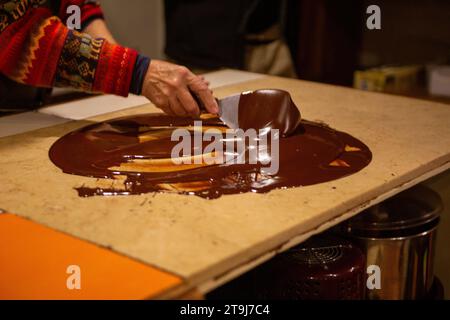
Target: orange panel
(34, 263)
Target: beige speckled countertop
(209, 241)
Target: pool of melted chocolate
(137, 150)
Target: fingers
(176, 107)
(176, 90)
(182, 104)
(189, 104)
(208, 100)
(206, 81)
(200, 87)
(167, 110)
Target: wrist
(140, 70)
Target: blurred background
(322, 40)
(318, 40)
(139, 24)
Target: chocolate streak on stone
(304, 158)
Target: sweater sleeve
(37, 49)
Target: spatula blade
(229, 111)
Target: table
(206, 243)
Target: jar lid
(409, 210)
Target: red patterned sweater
(37, 49)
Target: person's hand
(171, 88)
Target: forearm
(93, 23)
(95, 65)
(37, 49)
(30, 47)
(40, 51)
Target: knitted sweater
(36, 48)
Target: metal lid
(321, 249)
(408, 210)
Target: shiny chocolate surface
(137, 150)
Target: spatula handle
(200, 103)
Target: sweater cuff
(139, 72)
(94, 65)
(115, 69)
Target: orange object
(37, 262)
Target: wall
(138, 24)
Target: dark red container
(323, 268)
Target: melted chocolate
(268, 108)
(138, 149)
